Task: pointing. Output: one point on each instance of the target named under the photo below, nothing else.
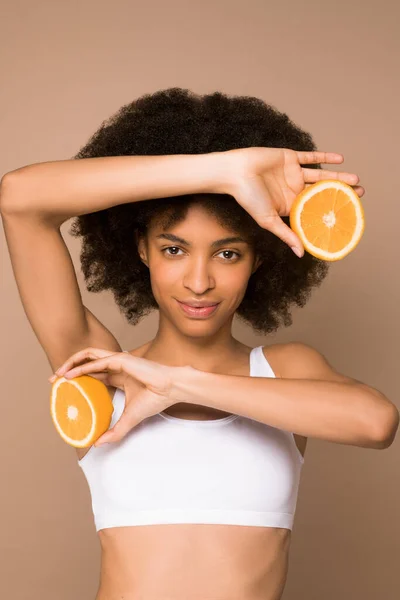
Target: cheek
(165, 276)
(233, 285)
(234, 278)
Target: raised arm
(63, 189)
(35, 200)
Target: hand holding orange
(81, 406)
(324, 206)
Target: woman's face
(197, 261)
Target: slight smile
(200, 312)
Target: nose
(198, 278)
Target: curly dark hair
(177, 121)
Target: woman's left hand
(266, 182)
(147, 384)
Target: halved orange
(81, 409)
(329, 219)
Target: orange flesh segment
(330, 202)
(70, 400)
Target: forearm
(68, 188)
(337, 412)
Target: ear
(257, 262)
(141, 247)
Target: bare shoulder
(296, 360)
(276, 357)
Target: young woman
(182, 202)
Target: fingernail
(52, 378)
(297, 251)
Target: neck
(209, 353)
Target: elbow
(8, 196)
(385, 427)
(4, 191)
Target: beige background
(66, 66)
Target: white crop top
(233, 470)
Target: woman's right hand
(147, 385)
(266, 181)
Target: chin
(197, 328)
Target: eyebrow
(175, 238)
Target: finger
(84, 354)
(112, 362)
(109, 379)
(306, 158)
(76, 358)
(275, 224)
(359, 190)
(118, 432)
(313, 175)
(103, 377)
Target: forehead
(198, 222)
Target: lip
(201, 312)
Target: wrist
(218, 172)
(183, 382)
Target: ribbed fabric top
(234, 470)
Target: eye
(174, 252)
(170, 248)
(230, 252)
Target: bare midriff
(193, 562)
